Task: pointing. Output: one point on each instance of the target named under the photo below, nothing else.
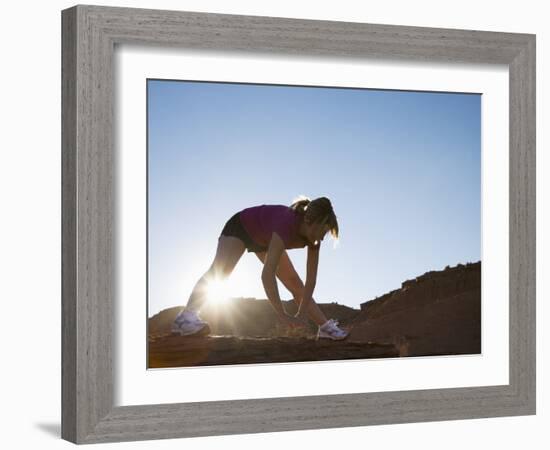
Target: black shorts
(234, 227)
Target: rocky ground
(437, 313)
(178, 351)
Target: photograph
(292, 223)
(299, 202)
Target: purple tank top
(262, 220)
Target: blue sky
(402, 169)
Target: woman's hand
(292, 321)
(302, 316)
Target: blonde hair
(317, 210)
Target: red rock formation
(437, 313)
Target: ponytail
(317, 210)
(300, 204)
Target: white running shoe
(188, 322)
(331, 330)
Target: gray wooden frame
(89, 34)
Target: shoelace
(185, 318)
(334, 327)
(332, 323)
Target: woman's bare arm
(311, 278)
(273, 255)
(271, 263)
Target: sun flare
(217, 291)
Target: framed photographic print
(253, 198)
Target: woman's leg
(228, 253)
(292, 281)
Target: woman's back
(262, 220)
